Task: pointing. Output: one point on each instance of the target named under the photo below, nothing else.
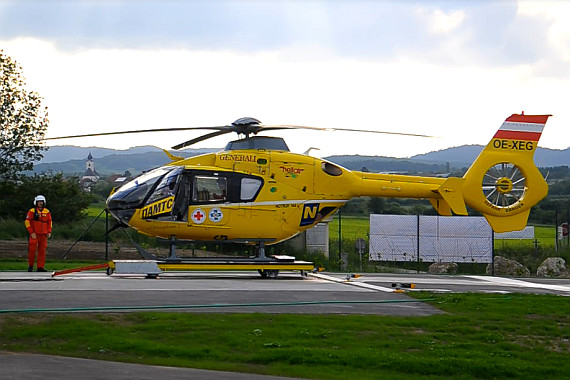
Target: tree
(376, 205)
(102, 189)
(65, 199)
(23, 121)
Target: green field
(95, 209)
(479, 336)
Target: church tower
(90, 177)
(89, 165)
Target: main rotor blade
(201, 138)
(268, 127)
(135, 131)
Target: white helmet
(39, 198)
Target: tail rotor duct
(504, 184)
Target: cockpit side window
(212, 187)
(209, 189)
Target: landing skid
(267, 267)
(268, 273)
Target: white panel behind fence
(460, 239)
(526, 233)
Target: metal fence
(394, 244)
(429, 238)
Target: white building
(90, 177)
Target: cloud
(443, 32)
(441, 68)
(447, 22)
(146, 24)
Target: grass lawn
(479, 336)
(352, 227)
(95, 209)
(9, 264)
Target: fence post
(556, 230)
(418, 242)
(568, 222)
(106, 234)
(492, 252)
(339, 240)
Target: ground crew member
(38, 223)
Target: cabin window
(249, 188)
(209, 189)
(331, 169)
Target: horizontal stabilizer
(451, 192)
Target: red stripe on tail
(517, 135)
(535, 119)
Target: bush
(530, 257)
(11, 228)
(65, 199)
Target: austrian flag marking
(522, 127)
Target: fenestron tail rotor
(504, 184)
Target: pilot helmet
(39, 198)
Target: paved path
(240, 292)
(46, 367)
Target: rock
(443, 268)
(506, 267)
(552, 267)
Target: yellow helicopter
(256, 191)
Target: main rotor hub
(246, 121)
(246, 126)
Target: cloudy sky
(454, 69)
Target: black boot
(30, 269)
(41, 270)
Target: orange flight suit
(38, 221)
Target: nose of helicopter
(123, 203)
(120, 209)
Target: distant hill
(377, 164)
(458, 157)
(463, 156)
(71, 160)
(69, 152)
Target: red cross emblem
(198, 216)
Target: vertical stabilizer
(504, 183)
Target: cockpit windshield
(133, 193)
(166, 187)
